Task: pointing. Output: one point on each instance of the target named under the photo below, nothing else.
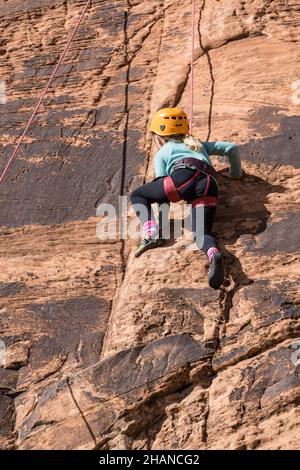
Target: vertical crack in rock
(225, 296)
(210, 66)
(81, 412)
(148, 139)
(181, 86)
(205, 427)
(128, 61)
(126, 124)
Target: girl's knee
(134, 195)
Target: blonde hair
(190, 141)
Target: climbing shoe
(216, 271)
(148, 244)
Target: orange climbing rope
(36, 109)
(192, 66)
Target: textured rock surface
(105, 351)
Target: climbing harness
(172, 192)
(36, 109)
(206, 201)
(196, 164)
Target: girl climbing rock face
(183, 171)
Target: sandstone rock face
(103, 351)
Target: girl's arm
(229, 150)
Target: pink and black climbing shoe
(152, 238)
(216, 269)
(147, 244)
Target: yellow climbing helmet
(170, 121)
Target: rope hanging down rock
(192, 66)
(36, 109)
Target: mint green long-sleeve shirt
(174, 151)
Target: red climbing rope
(192, 66)
(72, 35)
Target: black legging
(154, 193)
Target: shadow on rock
(242, 212)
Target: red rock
(104, 351)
